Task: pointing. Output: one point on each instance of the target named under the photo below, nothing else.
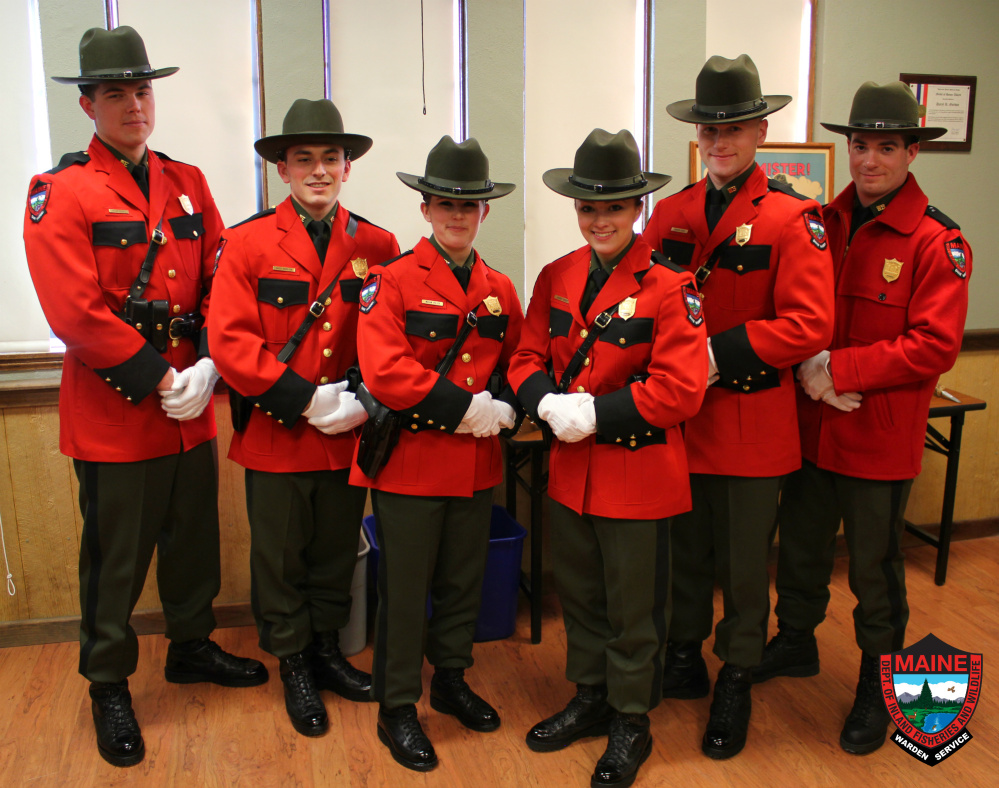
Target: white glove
(507, 415)
(348, 414)
(481, 419)
(191, 391)
(815, 376)
(713, 375)
(325, 401)
(568, 415)
(846, 402)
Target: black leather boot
(333, 672)
(587, 714)
(450, 694)
(731, 706)
(791, 652)
(204, 660)
(685, 674)
(628, 746)
(867, 724)
(119, 739)
(399, 729)
(301, 696)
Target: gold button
(327, 327)
(414, 426)
(580, 389)
(617, 440)
(280, 300)
(763, 372)
(175, 342)
(172, 273)
(632, 444)
(469, 381)
(433, 334)
(129, 399)
(735, 382)
(583, 333)
(280, 421)
(159, 326)
(117, 388)
(327, 352)
(648, 434)
(329, 301)
(256, 404)
(195, 233)
(586, 362)
(269, 413)
(430, 421)
(745, 388)
(633, 437)
(108, 380)
(502, 334)
(443, 427)
(749, 377)
(176, 308)
(466, 357)
(416, 415)
(738, 268)
(124, 242)
(324, 379)
(138, 326)
(549, 330)
(622, 340)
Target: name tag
(428, 302)
(283, 268)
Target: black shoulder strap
(940, 216)
(139, 285)
(69, 159)
(255, 216)
(471, 320)
(315, 312)
(596, 328)
(660, 259)
(785, 188)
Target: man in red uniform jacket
(902, 271)
(145, 461)
(306, 259)
(759, 255)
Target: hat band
(608, 187)
(881, 124)
(723, 111)
(458, 189)
(138, 71)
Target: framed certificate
(947, 101)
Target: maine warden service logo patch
(692, 302)
(955, 252)
(38, 199)
(369, 293)
(816, 231)
(931, 690)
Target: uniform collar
(469, 261)
(127, 162)
(610, 266)
(730, 189)
(306, 218)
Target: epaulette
(689, 186)
(362, 219)
(660, 259)
(69, 159)
(940, 216)
(260, 215)
(399, 257)
(786, 188)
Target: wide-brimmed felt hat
(457, 169)
(607, 167)
(113, 55)
(728, 91)
(312, 123)
(890, 108)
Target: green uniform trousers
(725, 538)
(304, 532)
(873, 514)
(613, 581)
(169, 504)
(436, 545)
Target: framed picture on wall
(947, 101)
(806, 166)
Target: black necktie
(140, 172)
(598, 278)
(462, 273)
(320, 234)
(714, 207)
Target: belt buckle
(602, 320)
(472, 319)
(317, 309)
(701, 274)
(159, 237)
(174, 321)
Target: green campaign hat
(111, 55)
(728, 91)
(607, 167)
(889, 108)
(457, 169)
(312, 123)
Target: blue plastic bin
(498, 613)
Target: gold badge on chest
(360, 266)
(493, 305)
(891, 270)
(627, 308)
(185, 203)
(742, 233)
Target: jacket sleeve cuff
(442, 409)
(620, 422)
(287, 398)
(739, 367)
(203, 344)
(532, 391)
(138, 376)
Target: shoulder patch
(786, 188)
(218, 254)
(955, 253)
(692, 303)
(369, 293)
(255, 216)
(940, 216)
(38, 200)
(658, 258)
(816, 229)
(69, 159)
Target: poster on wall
(806, 166)
(947, 101)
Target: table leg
(950, 494)
(537, 471)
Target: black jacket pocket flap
(282, 292)
(121, 234)
(431, 326)
(187, 226)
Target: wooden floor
(202, 735)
